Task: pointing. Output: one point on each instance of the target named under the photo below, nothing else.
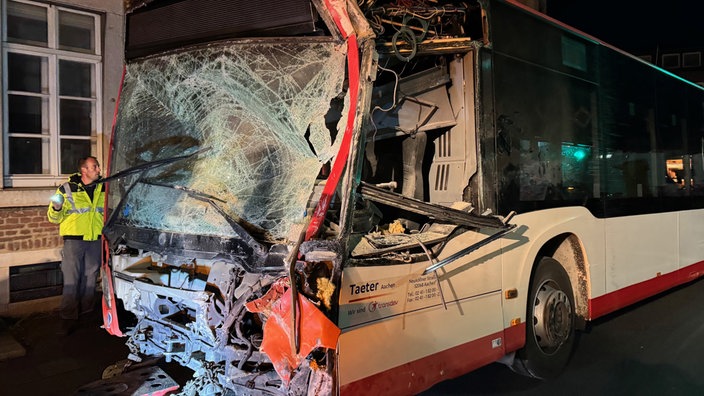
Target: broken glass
(257, 106)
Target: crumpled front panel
(258, 107)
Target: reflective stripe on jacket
(79, 216)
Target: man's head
(90, 169)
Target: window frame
(687, 56)
(51, 159)
(674, 65)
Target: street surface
(653, 348)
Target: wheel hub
(552, 318)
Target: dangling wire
(437, 278)
(409, 38)
(405, 33)
(393, 101)
(431, 260)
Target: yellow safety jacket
(79, 216)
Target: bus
(315, 197)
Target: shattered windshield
(256, 109)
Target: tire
(550, 323)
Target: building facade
(685, 62)
(61, 69)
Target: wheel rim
(552, 317)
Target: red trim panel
(419, 375)
(341, 159)
(514, 337)
(110, 321)
(614, 301)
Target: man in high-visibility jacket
(77, 207)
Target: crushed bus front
(235, 199)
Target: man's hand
(57, 201)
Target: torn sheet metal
(265, 303)
(434, 211)
(418, 103)
(315, 330)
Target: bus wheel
(550, 323)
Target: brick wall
(27, 229)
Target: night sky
(638, 26)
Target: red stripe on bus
(419, 375)
(514, 337)
(614, 301)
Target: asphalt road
(653, 348)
